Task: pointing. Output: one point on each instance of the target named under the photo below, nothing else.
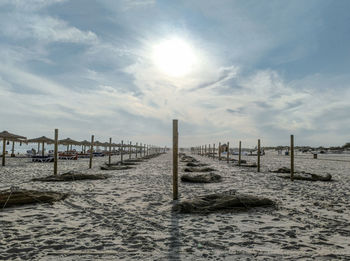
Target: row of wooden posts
(202, 150)
(144, 149)
(210, 152)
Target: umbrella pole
(110, 148)
(38, 147)
(56, 152)
(13, 149)
(42, 150)
(3, 151)
(67, 148)
(91, 151)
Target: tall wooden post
(228, 152)
(291, 157)
(122, 152)
(209, 151)
(214, 151)
(175, 158)
(55, 153)
(3, 151)
(130, 150)
(258, 155)
(205, 150)
(110, 151)
(239, 153)
(136, 150)
(42, 149)
(144, 150)
(91, 151)
(13, 149)
(219, 150)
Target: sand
(129, 217)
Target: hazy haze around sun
(174, 57)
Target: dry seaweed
(221, 202)
(72, 176)
(201, 178)
(19, 197)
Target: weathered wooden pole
(13, 149)
(3, 151)
(239, 153)
(130, 150)
(43, 149)
(110, 151)
(209, 151)
(122, 152)
(219, 150)
(144, 150)
(55, 153)
(205, 150)
(91, 151)
(258, 155)
(175, 158)
(228, 152)
(213, 150)
(292, 157)
(136, 150)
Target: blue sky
(261, 69)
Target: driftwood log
(21, 197)
(201, 178)
(247, 165)
(190, 169)
(221, 202)
(72, 176)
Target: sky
(227, 70)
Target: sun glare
(174, 57)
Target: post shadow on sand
(175, 237)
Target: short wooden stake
(239, 153)
(110, 151)
(175, 159)
(292, 157)
(3, 151)
(55, 153)
(122, 152)
(258, 155)
(91, 151)
(228, 152)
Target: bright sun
(174, 57)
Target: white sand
(128, 216)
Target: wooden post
(42, 149)
(91, 151)
(3, 151)
(228, 152)
(136, 150)
(175, 158)
(122, 151)
(13, 149)
(144, 150)
(219, 150)
(239, 153)
(214, 151)
(38, 147)
(110, 151)
(56, 153)
(130, 150)
(258, 155)
(205, 150)
(292, 157)
(209, 151)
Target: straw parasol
(68, 142)
(41, 140)
(6, 136)
(85, 143)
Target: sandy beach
(129, 217)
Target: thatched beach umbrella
(68, 142)
(41, 140)
(6, 136)
(85, 143)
